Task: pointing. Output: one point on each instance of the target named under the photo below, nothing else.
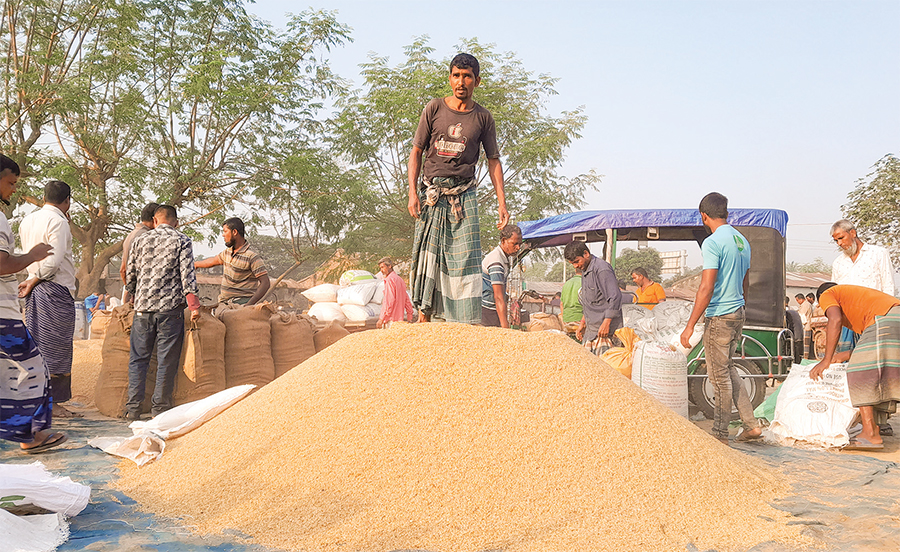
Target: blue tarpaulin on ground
(587, 221)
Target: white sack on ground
(189, 416)
(355, 313)
(322, 293)
(815, 412)
(39, 533)
(41, 488)
(327, 312)
(140, 449)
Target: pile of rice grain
(449, 437)
(87, 360)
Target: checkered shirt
(160, 271)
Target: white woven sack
(360, 295)
(354, 277)
(662, 373)
(322, 293)
(356, 313)
(378, 297)
(327, 312)
(815, 412)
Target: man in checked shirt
(160, 277)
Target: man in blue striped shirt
(494, 271)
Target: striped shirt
(494, 269)
(242, 269)
(160, 270)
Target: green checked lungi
(873, 373)
(446, 262)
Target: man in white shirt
(50, 290)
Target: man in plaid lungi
(446, 264)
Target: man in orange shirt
(873, 373)
(649, 292)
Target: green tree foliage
(558, 270)
(629, 259)
(375, 126)
(816, 266)
(874, 206)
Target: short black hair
(575, 249)
(465, 61)
(823, 288)
(148, 211)
(509, 231)
(714, 205)
(799, 296)
(811, 295)
(167, 211)
(641, 272)
(56, 192)
(235, 224)
(7, 164)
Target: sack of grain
(355, 313)
(203, 366)
(662, 372)
(99, 322)
(329, 335)
(248, 345)
(620, 358)
(322, 293)
(378, 296)
(360, 294)
(292, 340)
(327, 312)
(111, 392)
(542, 321)
(354, 277)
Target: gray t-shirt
(450, 139)
(126, 245)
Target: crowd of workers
(158, 271)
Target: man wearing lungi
(25, 404)
(873, 372)
(446, 263)
(50, 290)
(723, 286)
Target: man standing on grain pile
(50, 290)
(26, 414)
(494, 272)
(445, 274)
(245, 279)
(160, 276)
(600, 297)
(723, 285)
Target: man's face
(846, 240)
(580, 263)
(228, 235)
(637, 279)
(800, 300)
(511, 246)
(384, 268)
(463, 83)
(8, 182)
(811, 299)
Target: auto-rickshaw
(765, 351)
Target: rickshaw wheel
(701, 393)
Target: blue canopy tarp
(598, 221)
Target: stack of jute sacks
(357, 299)
(230, 346)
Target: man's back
(570, 304)
(161, 270)
(728, 252)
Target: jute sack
(292, 340)
(329, 335)
(203, 367)
(111, 392)
(99, 322)
(248, 344)
(542, 321)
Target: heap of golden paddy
(448, 437)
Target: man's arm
(387, 304)
(610, 287)
(261, 289)
(495, 170)
(832, 336)
(11, 264)
(413, 169)
(500, 304)
(210, 262)
(189, 278)
(701, 301)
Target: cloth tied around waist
(450, 186)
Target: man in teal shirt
(723, 284)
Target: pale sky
(776, 104)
